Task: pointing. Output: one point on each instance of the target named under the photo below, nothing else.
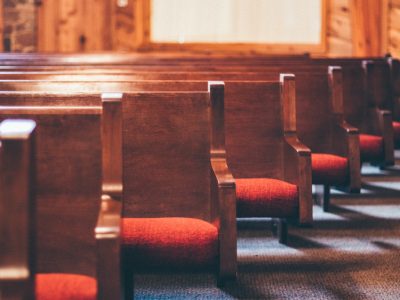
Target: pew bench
(73, 246)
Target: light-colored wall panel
(339, 31)
(394, 28)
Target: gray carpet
(351, 253)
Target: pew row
(17, 214)
(234, 90)
(77, 231)
(313, 94)
(178, 193)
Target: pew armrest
(223, 194)
(349, 147)
(108, 233)
(297, 170)
(347, 128)
(385, 125)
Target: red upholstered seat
(329, 169)
(65, 287)
(396, 132)
(164, 242)
(264, 197)
(371, 147)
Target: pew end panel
(170, 167)
(255, 144)
(111, 138)
(111, 280)
(297, 170)
(317, 124)
(223, 193)
(381, 124)
(69, 192)
(355, 106)
(297, 157)
(108, 240)
(342, 131)
(395, 79)
(351, 150)
(379, 97)
(17, 208)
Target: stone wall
(19, 33)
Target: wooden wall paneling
(97, 21)
(394, 28)
(75, 26)
(47, 15)
(70, 25)
(131, 25)
(369, 27)
(339, 35)
(1, 25)
(123, 26)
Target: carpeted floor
(351, 253)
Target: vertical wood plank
(1, 25)
(288, 96)
(47, 40)
(17, 209)
(111, 136)
(369, 27)
(216, 90)
(335, 76)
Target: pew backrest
(68, 183)
(166, 154)
(17, 208)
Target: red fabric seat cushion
(396, 132)
(329, 169)
(371, 147)
(264, 197)
(65, 287)
(165, 242)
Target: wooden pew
(264, 153)
(174, 174)
(34, 104)
(137, 59)
(305, 216)
(379, 97)
(78, 228)
(17, 202)
(395, 96)
(306, 91)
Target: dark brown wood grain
(377, 80)
(71, 214)
(343, 131)
(174, 163)
(223, 192)
(166, 148)
(68, 182)
(17, 209)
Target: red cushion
(164, 242)
(396, 132)
(329, 169)
(65, 287)
(371, 147)
(264, 197)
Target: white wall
(255, 21)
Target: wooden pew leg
(280, 228)
(323, 195)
